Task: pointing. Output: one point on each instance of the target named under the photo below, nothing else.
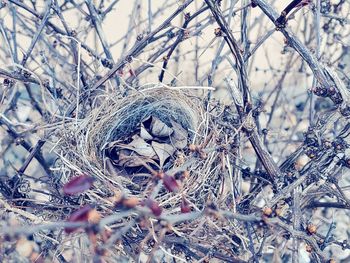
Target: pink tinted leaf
(170, 183)
(80, 215)
(78, 185)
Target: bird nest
(128, 141)
(156, 149)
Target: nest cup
(117, 119)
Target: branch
(137, 49)
(318, 70)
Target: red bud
(185, 206)
(154, 206)
(78, 185)
(170, 183)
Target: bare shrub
(161, 131)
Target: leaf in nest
(78, 185)
(179, 137)
(163, 150)
(128, 158)
(139, 146)
(144, 133)
(159, 128)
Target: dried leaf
(144, 133)
(163, 150)
(78, 185)
(179, 137)
(128, 158)
(170, 183)
(141, 147)
(80, 215)
(159, 128)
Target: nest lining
(119, 118)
